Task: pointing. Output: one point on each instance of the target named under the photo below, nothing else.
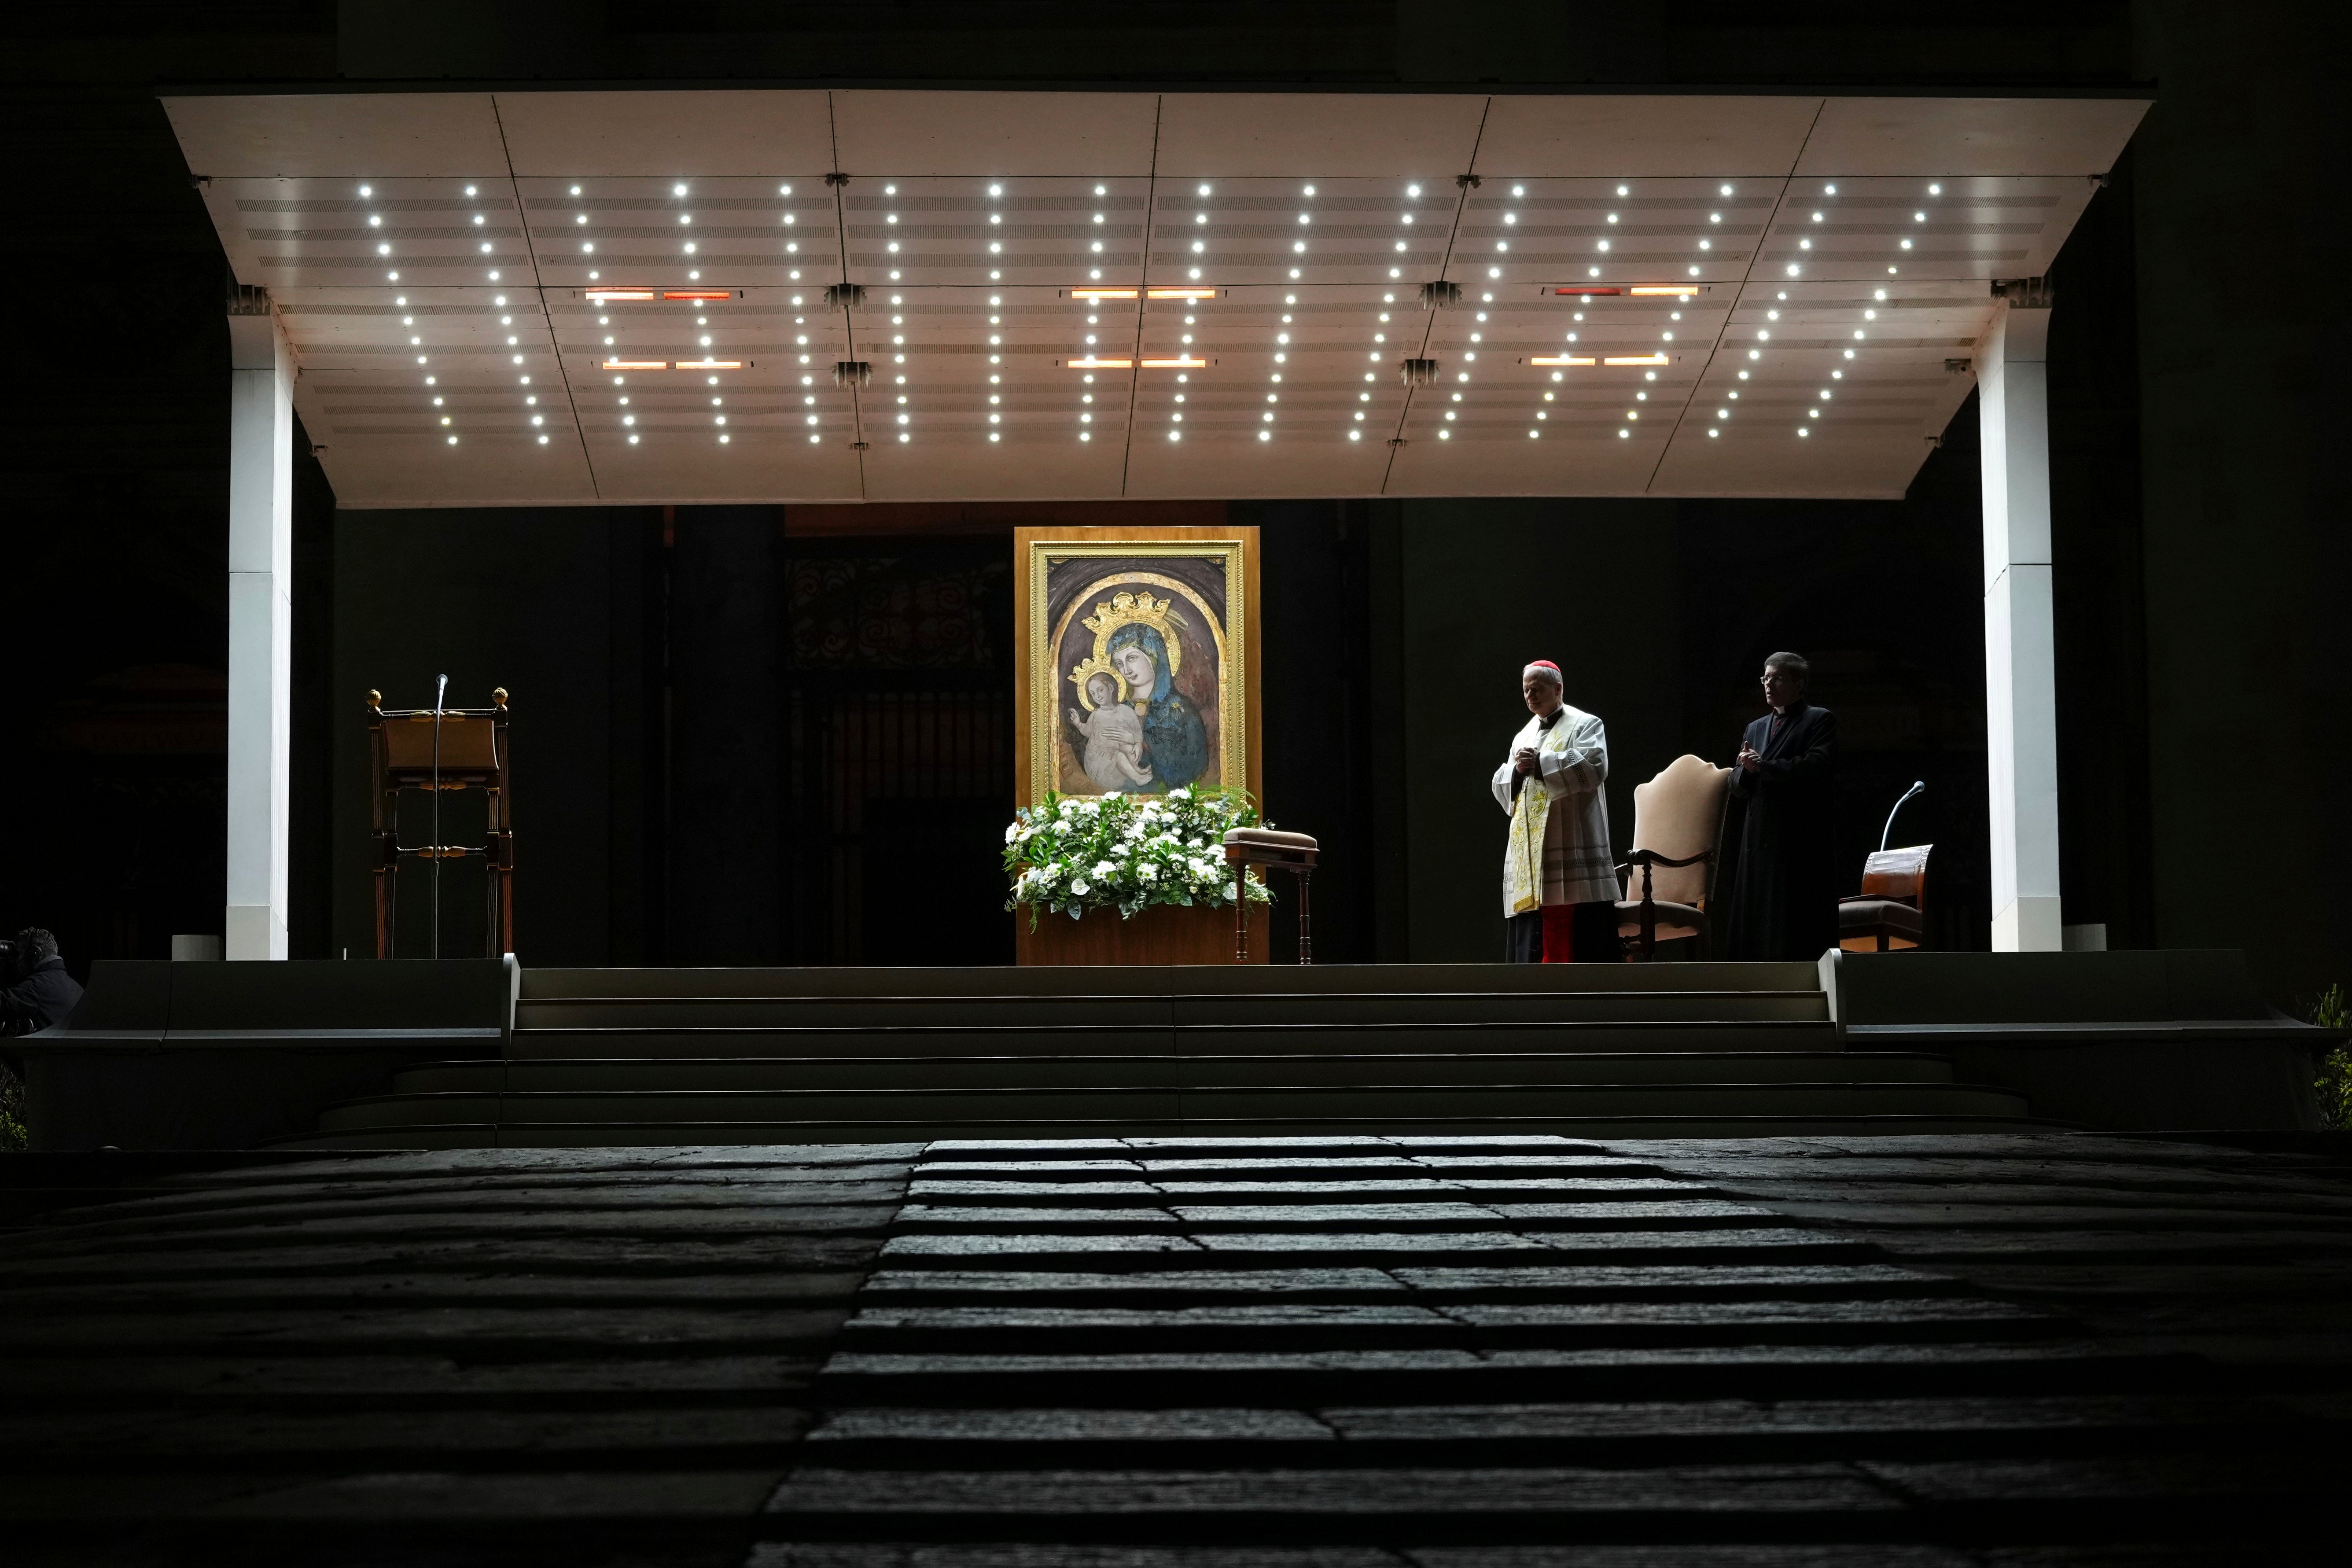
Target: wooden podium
(466, 749)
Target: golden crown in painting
(1138, 609)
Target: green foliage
(1126, 852)
(2335, 1081)
(15, 1137)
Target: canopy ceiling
(433, 257)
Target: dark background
(692, 789)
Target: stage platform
(1475, 1352)
(479, 1054)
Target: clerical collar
(1554, 717)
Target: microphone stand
(438, 692)
(1919, 788)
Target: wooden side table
(1292, 852)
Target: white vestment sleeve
(1502, 782)
(1581, 769)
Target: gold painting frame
(1080, 585)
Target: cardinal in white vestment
(1560, 881)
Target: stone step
(616, 1057)
(980, 1071)
(1142, 1110)
(425, 1134)
(946, 1039)
(1256, 980)
(1112, 1009)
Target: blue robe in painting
(1177, 743)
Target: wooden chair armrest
(1652, 858)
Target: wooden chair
(472, 754)
(1890, 913)
(1677, 829)
(1295, 853)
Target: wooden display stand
(1164, 933)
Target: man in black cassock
(41, 992)
(1784, 897)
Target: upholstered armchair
(1670, 871)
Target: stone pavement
(1319, 1352)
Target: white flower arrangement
(1127, 852)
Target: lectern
(442, 749)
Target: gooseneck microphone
(1919, 788)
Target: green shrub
(1126, 852)
(2335, 1081)
(14, 1136)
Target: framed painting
(1138, 669)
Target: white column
(260, 624)
(2020, 681)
